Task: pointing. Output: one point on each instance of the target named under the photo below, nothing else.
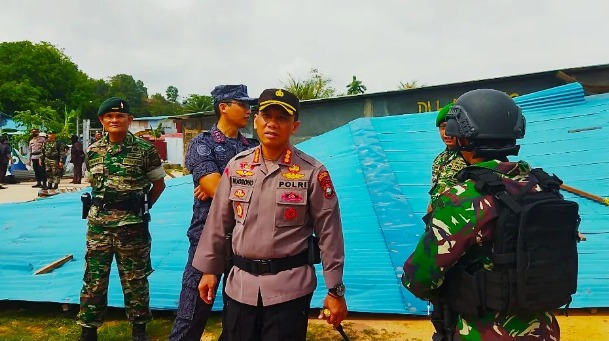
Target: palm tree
(410, 85)
(356, 87)
(317, 86)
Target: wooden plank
(604, 201)
(52, 266)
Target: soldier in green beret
(127, 178)
(448, 163)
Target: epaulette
(307, 158)
(244, 153)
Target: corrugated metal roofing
(381, 170)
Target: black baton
(340, 329)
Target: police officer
(127, 178)
(52, 155)
(272, 198)
(464, 219)
(206, 158)
(448, 163)
(35, 152)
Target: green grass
(27, 321)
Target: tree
(133, 91)
(198, 103)
(316, 86)
(172, 94)
(410, 85)
(157, 105)
(356, 87)
(40, 75)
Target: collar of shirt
(129, 140)
(285, 159)
(219, 136)
(511, 169)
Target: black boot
(139, 332)
(55, 186)
(44, 185)
(88, 334)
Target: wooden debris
(52, 266)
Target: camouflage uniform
(52, 153)
(209, 152)
(443, 171)
(117, 173)
(464, 217)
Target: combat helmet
(490, 120)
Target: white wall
(175, 151)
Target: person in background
(6, 158)
(34, 158)
(77, 158)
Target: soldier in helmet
(486, 124)
(127, 178)
(448, 163)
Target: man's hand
(338, 310)
(207, 288)
(200, 193)
(60, 164)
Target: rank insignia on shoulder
(293, 173)
(326, 184)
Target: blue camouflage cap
(227, 92)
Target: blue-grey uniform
(209, 152)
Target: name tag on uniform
(242, 182)
(292, 184)
(96, 161)
(132, 162)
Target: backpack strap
(487, 181)
(545, 180)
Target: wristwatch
(337, 291)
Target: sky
(195, 45)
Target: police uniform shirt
(209, 152)
(271, 213)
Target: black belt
(36, 153)
(272, 266)
(125, 205)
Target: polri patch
(293, 184)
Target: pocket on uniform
(291, 207)
(240, 198)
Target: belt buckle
(105, 207)
(263, 266)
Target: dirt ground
(581, 324)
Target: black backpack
(534, 250)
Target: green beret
(114, 104)
(442, 114)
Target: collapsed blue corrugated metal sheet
(381, 170)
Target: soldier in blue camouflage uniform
(123, 171)
(448, 163)
(207, 156)
(464, 218)
(52, 155)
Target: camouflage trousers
(130, 244)
(53, 171)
